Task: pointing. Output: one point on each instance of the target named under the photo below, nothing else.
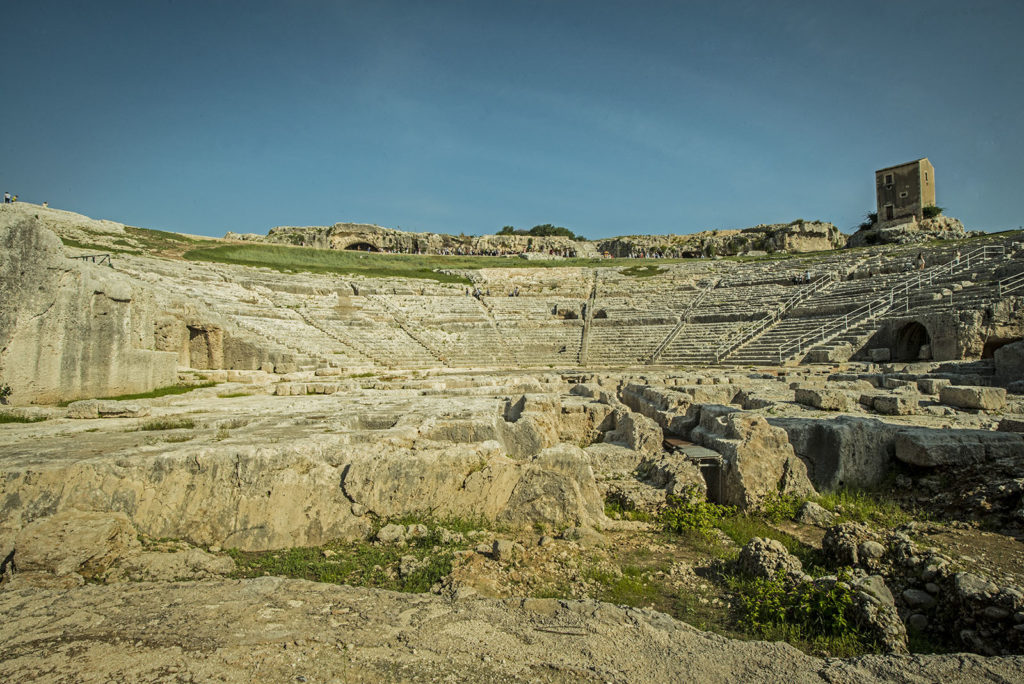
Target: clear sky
(609, 118)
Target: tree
(931, 211)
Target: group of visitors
(9, 199)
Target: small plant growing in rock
(931, 211)
(777, 506)
(5, 392)
(819, 612)
(691, 513)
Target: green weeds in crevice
(366, 564)
(618, 510)
(872, 508)
(704, 524)
(630, 585)
(153, 394)
(12, 418)
(166, 424)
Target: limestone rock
(100, 408)
(768, 558)
(931, 385)
(391, 534)
(811, 513)
(759, 460)
(676, 475)
(842, 543)
(895, 405)
(83, 542)
(987, 398)
(637, 432)
(1009, 361)
(930, 448)
(98, 325)
(824, 399)
(192, 563)
(845, 451)
(354, 633)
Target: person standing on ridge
(7, 198)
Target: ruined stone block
(986, 398)
(894, 405)
(931, 385)
(824, 399)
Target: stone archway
(912, 343)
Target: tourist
(920, 261)
(7, 198)
(45, 204)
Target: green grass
(616, 510)
(362, 563)
(643, 271)
(69, 242)
(163, 391)
(631, 586)
(232, 395)
(375, 265)
(873, 508)
(166, 424)
(10, 418)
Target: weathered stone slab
(895, 405)
(986, 398)
(82, 542)
(105, 408)
(931, 385)
(929, 447)
(824, 399)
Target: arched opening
(913, 343)
(992, 344)
(362, 247)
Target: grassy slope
(374, 265)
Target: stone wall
(69, 329)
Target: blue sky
(609, 118)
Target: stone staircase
(914, 289)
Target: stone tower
(904, 190)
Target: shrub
(931, 211)
(813, 611)
(690, 514)
(870, 219)
(5, 392)
(777, 507)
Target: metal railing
(96, 259)
(900, 294)
(683, 319)
(1011, 284)
(762, 324)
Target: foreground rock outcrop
(290, 630)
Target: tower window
(888, 179)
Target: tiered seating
(623, 345)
